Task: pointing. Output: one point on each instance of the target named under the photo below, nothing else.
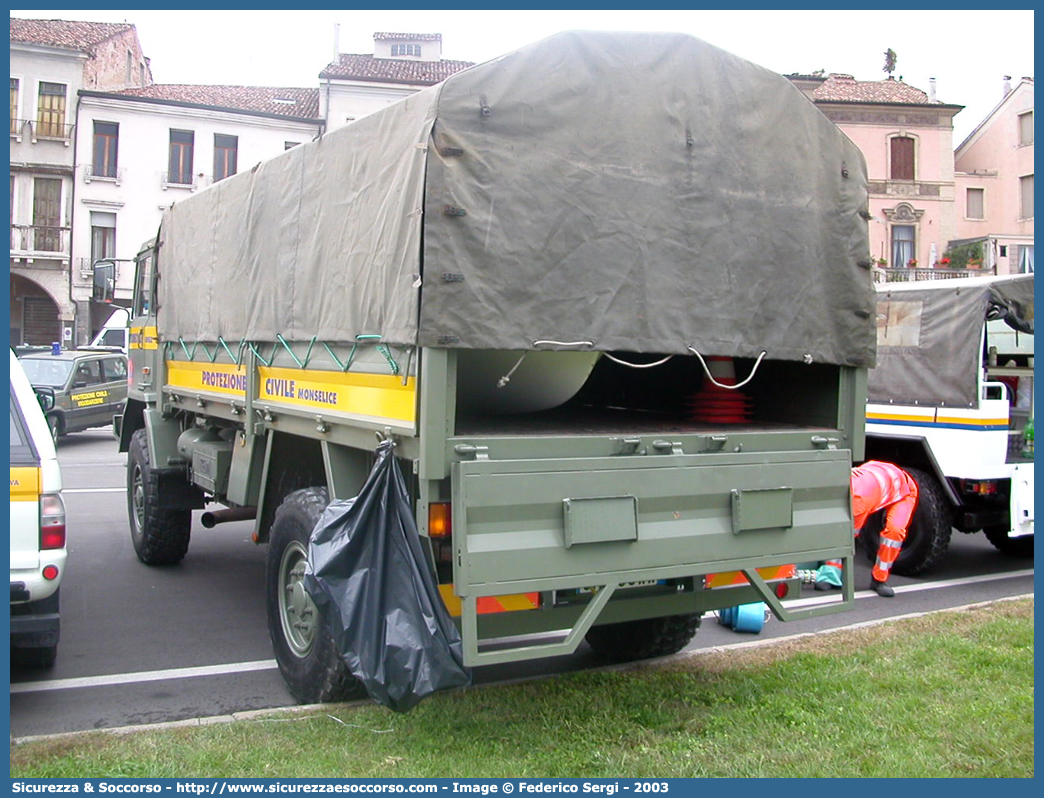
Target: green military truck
(532, 278)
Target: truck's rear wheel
(1014, 547)
(304, 647)
(928, 536)
(160, 536)
(652, 637)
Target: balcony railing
(39, 240)
(54, 131)
(178, 181)
(917, 273)
(104, 174)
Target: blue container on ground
(744, 618)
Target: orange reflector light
(440, 521)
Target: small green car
(89, 386)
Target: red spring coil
(716, 405)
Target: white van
(113, 334)
(38, 546)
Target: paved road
(146, 645)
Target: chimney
(337, 42)
(931, 90)
(1007, 86)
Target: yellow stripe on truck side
(222, 378)
(381, 396)
(376, 395)
(142, 338)
(25, 484)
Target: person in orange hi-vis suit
(877, 486)
(883, 486)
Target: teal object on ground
(830, 574)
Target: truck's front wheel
(652, 637)
(928, 535)
(160, 536)
(304, 648)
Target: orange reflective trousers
(877, 486)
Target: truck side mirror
(104, 281)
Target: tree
(890, 61)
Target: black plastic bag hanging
(367, 572)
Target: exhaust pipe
(212, 519)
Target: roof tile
(392, 70)
(290, 102)
(64, 33)
(421, 37)
(845, 88)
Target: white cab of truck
(950, 399)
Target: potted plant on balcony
(912, 263)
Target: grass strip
(948, 694)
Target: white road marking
(269, 664)
(144, 676)
(834, 595)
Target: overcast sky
(967, 52)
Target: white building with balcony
(141, 150)
(51, 60)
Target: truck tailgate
(526, 525)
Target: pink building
(906, 137)
(994, 184)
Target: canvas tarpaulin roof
(640, 192)
(929, 336)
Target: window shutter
(902, 158)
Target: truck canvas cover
(929, 336)
(616, 191)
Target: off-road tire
(652, 637)
(160, 536)
(304, 647)
(1014, 547)
(928, 535)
